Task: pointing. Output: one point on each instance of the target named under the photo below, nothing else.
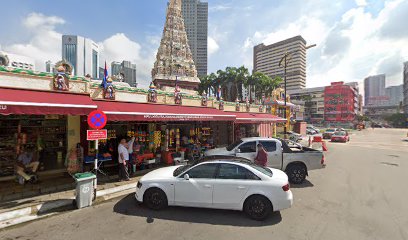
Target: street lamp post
(284, 63)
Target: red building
(340, 103)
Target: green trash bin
(84, 189)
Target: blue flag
(105, 77)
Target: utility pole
(284, 63)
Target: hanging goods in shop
(177, 139)
(167, 140)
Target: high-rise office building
(82, 53)
(127, 69)
(49, 66)
(195, 15)
(374, 90)
(405, 93)
(313, 99)
(115, 68)
(101, 73)
(267, 58)
(395, 94)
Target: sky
(355, 38)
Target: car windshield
(264, 170)
(330, 130)
(181, 169)
(234, 145)
(340, 133)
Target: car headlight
(139, 184)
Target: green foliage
(396, 120)
(362, 118)
(258, 82)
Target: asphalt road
(362, 194)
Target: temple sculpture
(174, 61)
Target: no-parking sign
(97, 119)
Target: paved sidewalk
(28, 209)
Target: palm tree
(242, 75)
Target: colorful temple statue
(177, 95)
(61, 79)
(261, 108)
(152, 96)
(247, 105)
(237, 105)
(204, 100)
(221, 105)
(109, 90)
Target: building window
(70, 51)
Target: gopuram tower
(174, 61)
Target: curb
(8, 219)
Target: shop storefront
(164, 131)
(256, 125)
(41, 122)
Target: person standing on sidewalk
(123, 158)
(131, 159)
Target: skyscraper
(267, 58)
(82, 53)
(127, 69)
(49, 66)
(195, 15)
(115, 68)
(374, 90)
(395, 94)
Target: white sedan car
(221, 184)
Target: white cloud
(212, 46)
(45, 42)
(39, 20)
(218, 8)
(349, 48)
(119, 47)
(361, 3)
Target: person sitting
(27, 161)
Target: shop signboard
(93, 135)
(97, 119)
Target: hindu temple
(174, 62)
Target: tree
(257, 83)
(362, 118)
(397, 120)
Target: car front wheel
(155, 199)
(258, 207)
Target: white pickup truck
(292, 158)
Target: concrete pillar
(73, 131)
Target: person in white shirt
(130, 150)
(123, 157)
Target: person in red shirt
(262, 156)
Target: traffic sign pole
(96, 120)
(96, 166)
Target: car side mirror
(186, 177)
(237, 150)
